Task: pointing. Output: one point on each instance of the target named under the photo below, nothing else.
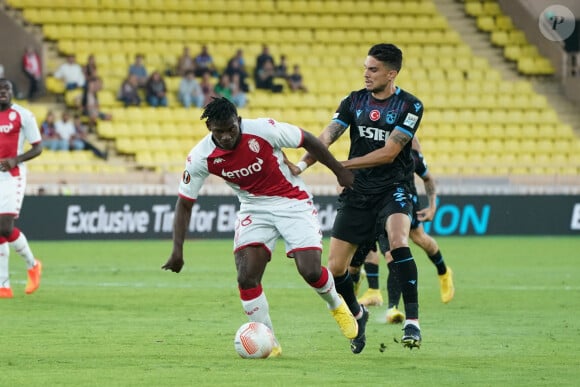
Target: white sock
(20, 245)
(412, 322)
(4, 274)
(258, 310)
(328, 291)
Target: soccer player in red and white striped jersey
(17, 125)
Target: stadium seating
(475, 121)
(503, 33)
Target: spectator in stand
(129, 92)
(190, 91)
(81, 139)
(185, 62)
(50, 138)
(138, 69)
(71, 73)
(204, 62)
(66, 130)
(156, 90)
(33, 71)
(265, 78)
(238, 96)
(295, 80)
(90, 103)
(239, 58)
(234, 68)
(282, 68)
(261, 59)
(223, 87)
(90, 68)
(207, 87)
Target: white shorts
(11, 195)
(296, 223)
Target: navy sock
(406, 271)
(345, 288)
(393, 287)
(372, 271)
(439, 263)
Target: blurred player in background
(383, 119)
(16, 126)
(418, 235)
(247, 154)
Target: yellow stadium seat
(504, 22)
(474, 8)
(54, 85)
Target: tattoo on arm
(334, 130)
(330, 134)
(430, 188)
(431, 191)
(400, 138)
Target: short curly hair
(219, 109)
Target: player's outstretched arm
(328, 136)
(321, 153)
(181, 220)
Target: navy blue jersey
(371, 122)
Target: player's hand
(7, 164)
(174, 263)
(426, 214)
(293, 167)
(345, 177)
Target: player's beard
(382, 88)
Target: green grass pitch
(107, 315)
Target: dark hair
(6, 80)
(388, 54)
(219, 109)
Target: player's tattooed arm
(385, 155)
(330, 134)
(400, 138)
(427, 214)
(430, 188)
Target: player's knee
(310, 272)
(337, 267)
(310, 276)
(248, 282)
(6, 230)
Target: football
(254, 340)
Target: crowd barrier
(151, 217)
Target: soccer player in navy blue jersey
(418, 236)
(383, 119)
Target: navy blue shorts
(361, 218)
